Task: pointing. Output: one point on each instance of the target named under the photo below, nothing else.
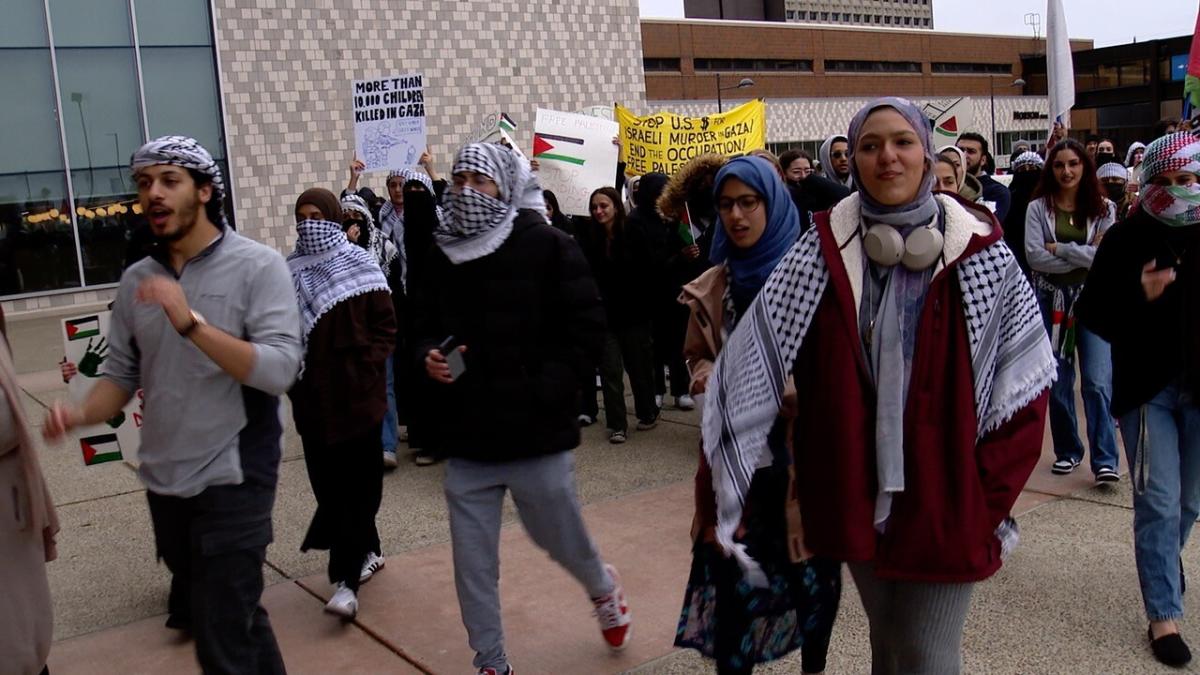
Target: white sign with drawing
(389, 121)
(85, 345)
(576, 155)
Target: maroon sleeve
(1008, 455)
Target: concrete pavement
(1067, 601)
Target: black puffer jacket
(530, 317)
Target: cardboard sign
(576, 155)
(667, 141)
(85, 343)
(950, 120)
(389, 121)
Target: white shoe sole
(343, 612)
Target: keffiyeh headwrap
(1134, 147)
(326, 269)
(1112, 170)
(380, 248)
(184, 152)
(1027, 159)
(1174, 205)
(474, 224)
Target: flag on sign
(1060, 67)
(1191, 83)
(506, 123)
(83, 328)
(100, 449)
(554, 147)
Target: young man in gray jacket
(209, 328)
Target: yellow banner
(666, 141)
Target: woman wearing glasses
(921, 372)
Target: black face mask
(1103, 158)
(1115, 191)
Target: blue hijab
(749, 268)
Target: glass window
(24, 24)
(1106, 76)
(180, 84)
(103, 127)
(173, 23)
(90, 23)
(37, 242)
(1134, 73)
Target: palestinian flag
(949, 127)
(558, 148)
(82, 328)
(100, 449)
(507, 124)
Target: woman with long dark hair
(1064, 224)
(622, 262)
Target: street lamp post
(746, 82)
(992, 91)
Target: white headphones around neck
(885, 246)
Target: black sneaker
(1170, 649)
(1107, 475)
(647, 425)
(1064, 466)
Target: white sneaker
(344, 602)
(371, 565)
(685, 402)
(389, 459)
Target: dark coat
(625, 272)
(1153, 343)
(344, 385)
(531, 319)
(997, 193)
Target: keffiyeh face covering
(1174, 205)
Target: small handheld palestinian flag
(100, 449)
(506, 124)
(82, 328)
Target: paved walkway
(1067, 602)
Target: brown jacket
(706, 298)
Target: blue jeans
(391, 427)
(1095, 366)
(1166, 493)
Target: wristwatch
(197, 321)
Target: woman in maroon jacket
(921, 368)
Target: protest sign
(85, 344)
(949, 120)
(666, 141)
(389, 121)
(576, 155)
(497, 128)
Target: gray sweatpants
(916, 628)
(543, 489)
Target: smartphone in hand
(454, 358)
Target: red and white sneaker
(508, 670)
(613, 613)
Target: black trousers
(347, 480)
(215, 544)
(670, 328)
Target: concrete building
(265, 85)
(891, 13)
(815, 77)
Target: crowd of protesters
(892, 300)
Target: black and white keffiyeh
(1010, 358)
(474, 224)
(326, 269)
(379, 246)
(187, 153)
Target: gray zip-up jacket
(1068, 257)
(201, 427)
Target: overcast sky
(1108, 22)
